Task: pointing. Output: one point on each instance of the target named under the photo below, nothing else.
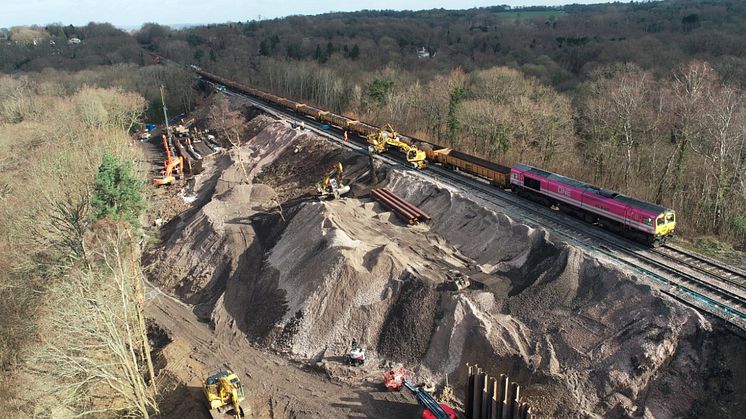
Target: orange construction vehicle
(169, 165)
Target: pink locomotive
(631, 217)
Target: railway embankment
(254, 256)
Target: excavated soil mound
(410, 322)
(202, 247)
(582, 337)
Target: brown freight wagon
(497, 174)
(362, 128)
(336, 120)
(310, 111)
(287, 103)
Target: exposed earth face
(270, 269)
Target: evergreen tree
(355, 52)
(117, 191)
(379, 89)
(455, 97)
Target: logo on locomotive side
(563, 191)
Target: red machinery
(396, 379)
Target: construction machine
(170, 164)
(331, 185)
(168, 177)
(356, 356)
(224, 393)
(387, 137)
(396, 379)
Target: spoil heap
(306, 277)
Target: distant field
(530, 14)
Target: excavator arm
(331, 184)
(387, 137)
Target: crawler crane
(387, 137)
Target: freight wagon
(497, 174)
(362, 128)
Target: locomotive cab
(665, 224)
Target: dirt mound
(581, 336)
(202, 247)
(584, 336)
(299, 167)
(409, 324)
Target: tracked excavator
(168, 177)
(387, 138)
(224, 393)
(331, 185)
(170, 165)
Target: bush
(118, 192)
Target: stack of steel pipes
(406, 211)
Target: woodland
(646, 98)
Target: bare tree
(619, 108)
(95, 354)
(688, 89)
(230, 123)
(724, 124)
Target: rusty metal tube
(409, 206)
(399, 210)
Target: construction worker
(346, 139)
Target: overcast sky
(128, 13)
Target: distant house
(422, 53)
(74, 41)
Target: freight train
(630, 217)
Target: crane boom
(427, 401)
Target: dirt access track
(255, 275)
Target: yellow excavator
(331, 185)
(224, 393)
(387, 137)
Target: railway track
(703, 290)
(695, 290)
(706, 266)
